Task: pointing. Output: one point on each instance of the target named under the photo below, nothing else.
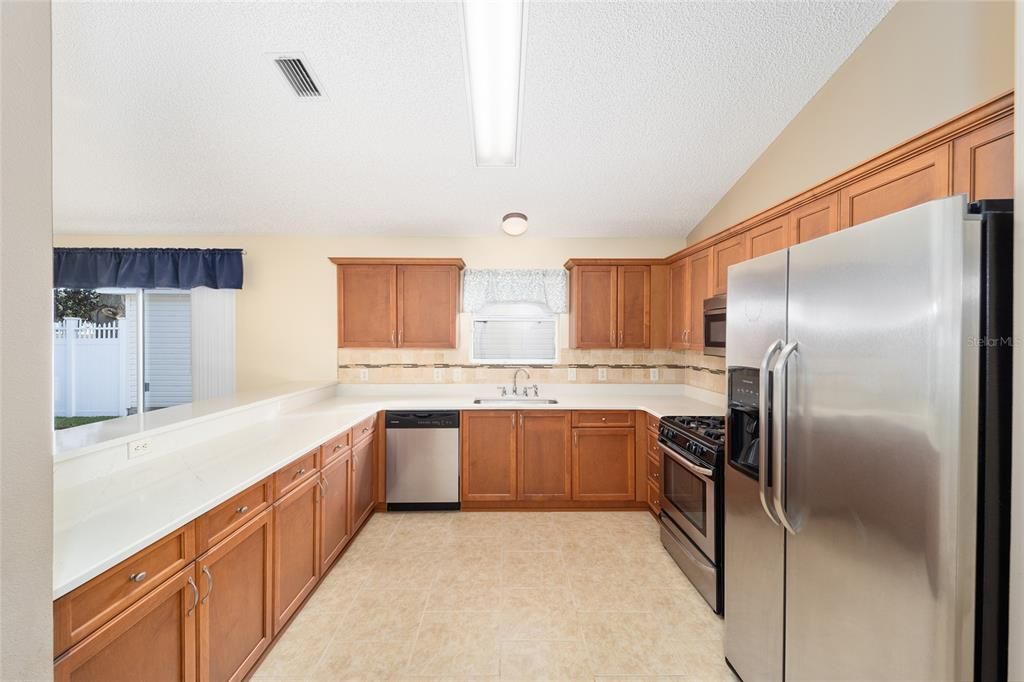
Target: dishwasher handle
(421, 420)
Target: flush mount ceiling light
(493, 32)
(514, 224)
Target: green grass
(67, 422)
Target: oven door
(714, 326)
(688, 498)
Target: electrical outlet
(438, 374)
(654, 373)
(602, 374)
(457, 374)
(572, 374)
(364, 374)
(139, 448)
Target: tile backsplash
(398, 366)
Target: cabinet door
(153, 640)
(545, 455)
(488, 444)
(603, 464)
(919, 179)
(769, 236)
(983, 162)
(428, 298)
(679, 305)
(363, 499)
(367, 308)
(724, 254)
(236, 610)
(700, 288)
(296, 545)
(815, 219)
(594, 306)
(335, 509)
(633, 306)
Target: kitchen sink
(515, 401)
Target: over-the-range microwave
(714, 325)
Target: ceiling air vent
(298, 76)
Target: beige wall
(286, 314)
(26, 337)
(925, 63)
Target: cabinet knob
(137, 577)
(604, 419)
(241, 510)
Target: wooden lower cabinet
(603, 464)
(153, 640)
(488, 449)
(335, 509)
(236, 609)
(296, 549)
(363, 497)
(544, 451)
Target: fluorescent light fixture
(514, 224)
(493, 33)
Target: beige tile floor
(509, 595)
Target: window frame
(484, 316)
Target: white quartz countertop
(102, 521)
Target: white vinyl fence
(89, 369)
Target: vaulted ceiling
(637, 117)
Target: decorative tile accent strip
(444, 365)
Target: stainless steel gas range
(691, 499)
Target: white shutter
(514, 340)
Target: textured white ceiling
(637, 116)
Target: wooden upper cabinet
(363, 498)
(634, 306)
(595, 303)
(983, 162)
(920, 178)
(699, 271)
(545, 455)
(603, 464)
(296, 549)
(768, 237)
(814, 219)
(367, 306)
(724, 254)
(154, 639)
(488, 444)
(679, 305)
(410, 303)
(235, 609)
(428, 301)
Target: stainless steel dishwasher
(423, 460)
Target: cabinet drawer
(363, 429)
(652, 422)
(654, 470)
(226, 518)
(652, 445)
(335, 448)
(602, 418)
(82, 611)
(654, 497)
(290, 477)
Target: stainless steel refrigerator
(866, 485)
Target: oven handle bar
(780, 438)
(687, 464)
(763, 436)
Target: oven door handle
(687, 464)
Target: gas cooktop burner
(709, 428)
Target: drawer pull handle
(337, 447)
(241, 510)
(195, 596)
(604, 419)
(209, 578)
(137, 577)
(365, 429)
(300, 472)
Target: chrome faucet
(515, 378)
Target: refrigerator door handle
(763, 436)
(780, 404)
